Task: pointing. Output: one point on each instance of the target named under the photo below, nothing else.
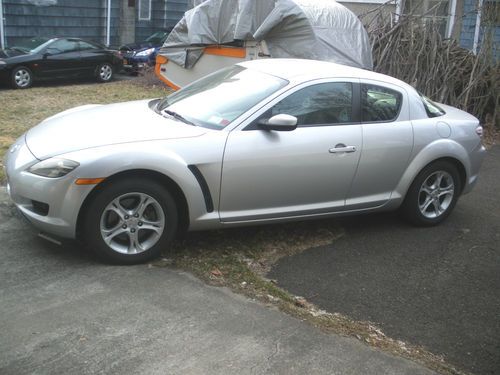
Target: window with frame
(144, 10)
(321, 104)
(63, 46)
(436, 13)
(379, 104)
(491, 13)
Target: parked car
(48, 58)
(263, 141)
(139, 55)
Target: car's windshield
(157, 38)
(432, 109)
(216, 100)
(32, 45)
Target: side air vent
(204, 187)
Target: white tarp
(310, 29)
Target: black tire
(126, 233)
(105, 72)
(21, 77)
(433, 194)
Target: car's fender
(156, 156)
(439, 149)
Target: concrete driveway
(62, 312)
(435, 287)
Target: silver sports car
(260, 142)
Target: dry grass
(20, 110)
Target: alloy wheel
(105, 72)
(436, 194)
(132, 223)
(22, 78)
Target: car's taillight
(479, 131)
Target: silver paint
(253, 176)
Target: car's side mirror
(279, 122)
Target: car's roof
(305, 70)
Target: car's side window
(379, 104)
(63, 45)
(321, 104)
(84, 46)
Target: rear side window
(321, 104)
(432, 109)
(84, 46)
(379, 104)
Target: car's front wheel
(130, 221)
(21, 78)
(104, 72)
(433, 194)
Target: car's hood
(99, 125)
(8, 52)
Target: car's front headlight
(53, 168)
(146, 52)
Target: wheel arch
(440, 151)
(171, 186)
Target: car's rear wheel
(433, 194)
(21, 78)
(131, 221)
(104, 72)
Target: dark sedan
(48, 58)
(139, 55)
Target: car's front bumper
(50, 204)
(136, 63)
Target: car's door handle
(342, 148)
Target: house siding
(468, 24)
(469, 20)
(65, 18)
(85, 19)
(164, 15)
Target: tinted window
(379, 104)
(326, 103)
(157, 38)
(63, 45)
(86, 46)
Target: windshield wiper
(178, 117)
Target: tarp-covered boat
(218, 33)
